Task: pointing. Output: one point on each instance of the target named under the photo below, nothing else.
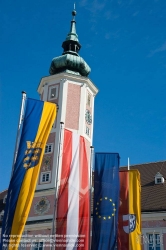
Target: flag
(106, 201)
(73, 215)
(38, 121)
(129, 222)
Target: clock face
(88, 117)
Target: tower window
(87, 131)
(48, 148)
(45, 177)
(89, 100)
(53, 92)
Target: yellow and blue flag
(106, 201)
(38, 121)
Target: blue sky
(123, 41)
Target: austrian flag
(73, 215)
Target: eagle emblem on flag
(131, 218)
(32, 154)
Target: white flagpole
(128, 168)
(56, 184)
(19, 129)
(128, 164)
(90, 191)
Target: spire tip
(74, 11)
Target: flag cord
(56, 184)
(21, 118)
(90, 192)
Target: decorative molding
(44, 193)
(153, 216)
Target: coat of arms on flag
(32, 154)
(131, 219)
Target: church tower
(70, 88)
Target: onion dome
(70, 61)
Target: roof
(2, 204)
(153, 196)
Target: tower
(70, 88)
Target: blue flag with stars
(106, 201)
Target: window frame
(88, 101)
(48, 145)
(153, 246)
(159, 180)
(89, 131)
(56, 93)
(45, 173)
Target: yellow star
(110, 200)
(96, 208)
(114, 209)
(113, 204)
(112, 214)
(104, 218)
(109, 217)
(101, 199)
(105, 198)
(99, 216)
(97, 203)
(97, 213)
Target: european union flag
(106, 201)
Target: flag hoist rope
(21, 118)
(56, 183)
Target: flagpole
(19, 128)
(90, 193)
(128, 164)
(56, 182)
(128, 168)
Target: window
(53, 92)
(89, 100)
(87, 131)
(38, 246)
(154, 242)
(158, 180)
(48, 148)
(45, 177)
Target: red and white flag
(73, 213)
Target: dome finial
(74, 12)
(70, 61)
